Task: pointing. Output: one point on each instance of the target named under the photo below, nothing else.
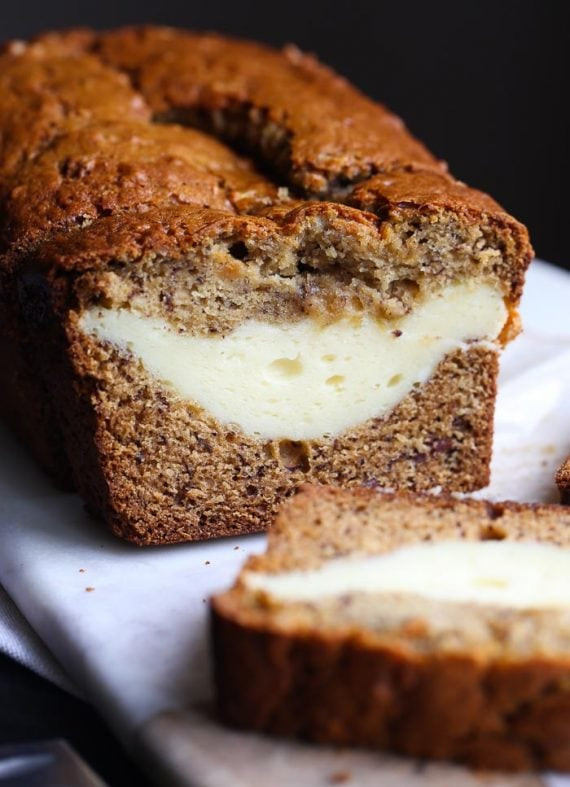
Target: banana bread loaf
(433, 627)
(191, 339)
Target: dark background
(484, 84)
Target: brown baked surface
(331, 132)
(107, 195)
(316, 126)
(563, 481)
(497, 700)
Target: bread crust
(348, 690)
(135, 74)
(501, 707)
(296, 104)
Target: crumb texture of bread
(563, 481)
(482, 684)
(208, 183)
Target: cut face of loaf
(225, 360)
(434, 627)
(189, 338)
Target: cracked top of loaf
(124, 134)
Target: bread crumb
(82, 571)
(89, 589)
(340, 777)
(206, 562)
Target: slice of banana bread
(430, 626)
(563, 481)
(196, 338)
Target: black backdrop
(484, 84)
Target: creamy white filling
(506, 573)
(302, 381)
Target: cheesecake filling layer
(302, 380)
(514, 574)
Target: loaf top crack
(134, 122)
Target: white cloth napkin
(20, 642)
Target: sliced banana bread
(430, 626)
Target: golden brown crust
(51, 86)
(300, 117)
(333, 131)
(437, 190)
(311, 121)
(114, 167)
(169, 233)
(499, 699)
(348, 691)
(48, 88)
(563, 481)
(95, 162)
